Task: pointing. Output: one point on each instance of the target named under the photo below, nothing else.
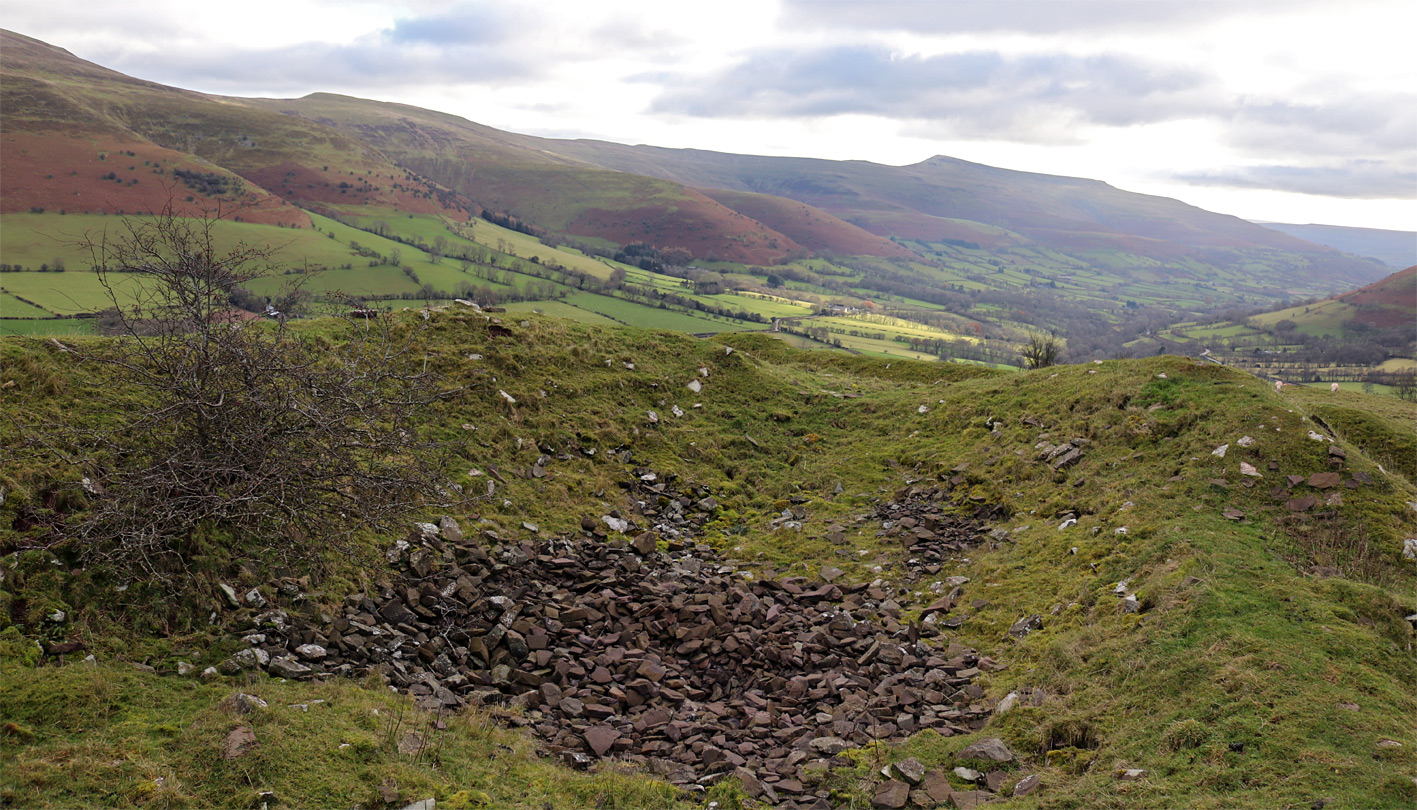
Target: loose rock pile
(929, 525)
(654, 651)
(669, 658)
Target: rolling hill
(966, 258)
(1394, 248)
(1390, 303)
(339, 151)
(838, 570)
(82, 138)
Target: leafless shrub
(1040, 351)
(1328, 546)
(287, 439)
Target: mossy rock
(17, 650)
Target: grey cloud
(1024, 16)
(979, 93)
(1347, 125)
(1359, 179)
(413, 52)
(462, 25)
(634, 35)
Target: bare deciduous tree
(288, 438)
(1040, 351)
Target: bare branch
(290, 439)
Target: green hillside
(1237, 638)
(447, 208)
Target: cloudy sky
(1283, 110)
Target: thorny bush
(288, 439)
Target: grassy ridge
(1233, 687)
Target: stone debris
(1026, 625)
(1249, 469)
(891, 795)
(241, 703)
(668, 659)
(910, 770)
(991, 748)
(935, 524)
(1220, 451)
(1027, 785)
(1324, 480)
(240, 740)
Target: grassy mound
(1267, 661)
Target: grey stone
(911, 770)
(644, 543)
(600, 739)
(251, 658)
(241, 703)
(1027, 785)
(229, 594)
(829, 746)
(991, 748)
(969, 799)
(751, 785)
(1026, 625)
(255, 599)
(287, 667)
(891, 795)
(240, 740)
(450, 529)
(968, 774)
(311, 652)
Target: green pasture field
(1357, 387)
(805, 343)
(360, 282)
(46, 326)
(767, 307)
(1324, 317)
(65, 293)
(888, 324)
(12, 307)
(560, 309)
(636, 314)
(881, 348)
(428, 227)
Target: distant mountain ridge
(1396, 249)
(64, 119)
